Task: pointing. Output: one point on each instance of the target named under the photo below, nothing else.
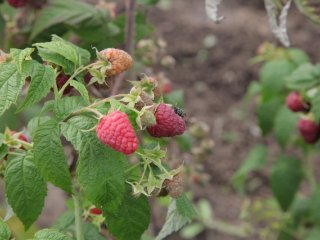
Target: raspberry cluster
(308, 128)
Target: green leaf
(56, 59)
(314, 206)
(11, 83)
(273, 76)
(91, 232)
(315, 109)
(174, 221)
(266, 112)
(101, 175)
(25, 188)
(2, 29)
(61, 49)
(255, 160)
(49, 155)
(286, 176)
(34, 123)
(175, 98)
(49, 234)
(304, 77)
(185, 208)
(63, 107)
(65, 221)
(71, 12)
(185, 141)
(20, 56)
(100, 169)
(192, 230)
(73, 130)
(84, 55)
(5, 233)
(298, 56)
(42, 79)
(148, 2)
(131, 219)
(310, 9)
(3, 151)
(80, 87)
(314, 233)
(285, 125)
(301, 210)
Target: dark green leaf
(20, 56)
(185, 208)
(80, 87)
(285, 125)
(5, 233)
(255, 160)
(65, 221)
(131, 219)
(91, 232)
(174, 221)
(315, 109)
(49, 155)
(273, 76)
(61, 11)
(49, 234)
(65, 106)
(11, 83)
(304, 77)
(42, 79)
(100, 169)
(185, 141)
(176, 98)
(266, 112)
(25, 188)
(286, 176)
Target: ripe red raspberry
(61, 80)
(119, 59)
(116, 131)
(169, 124)
(95, 211)
(309, 130)
(18, 3)
(295, 102)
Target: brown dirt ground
(214, 88)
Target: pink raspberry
(18, 3)
(169, 124)
(116, 131)
(309, 130)
(295, 102)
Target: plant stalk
(310, 173)
(78, 217)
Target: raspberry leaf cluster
(110, 167)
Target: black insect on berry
(179, 112)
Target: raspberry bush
(116, 165)
(287, 106)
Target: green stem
(26, 145)
(78, 217)
(310, 173)
(76, 73)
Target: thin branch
(131, 6)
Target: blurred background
(209, 66)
